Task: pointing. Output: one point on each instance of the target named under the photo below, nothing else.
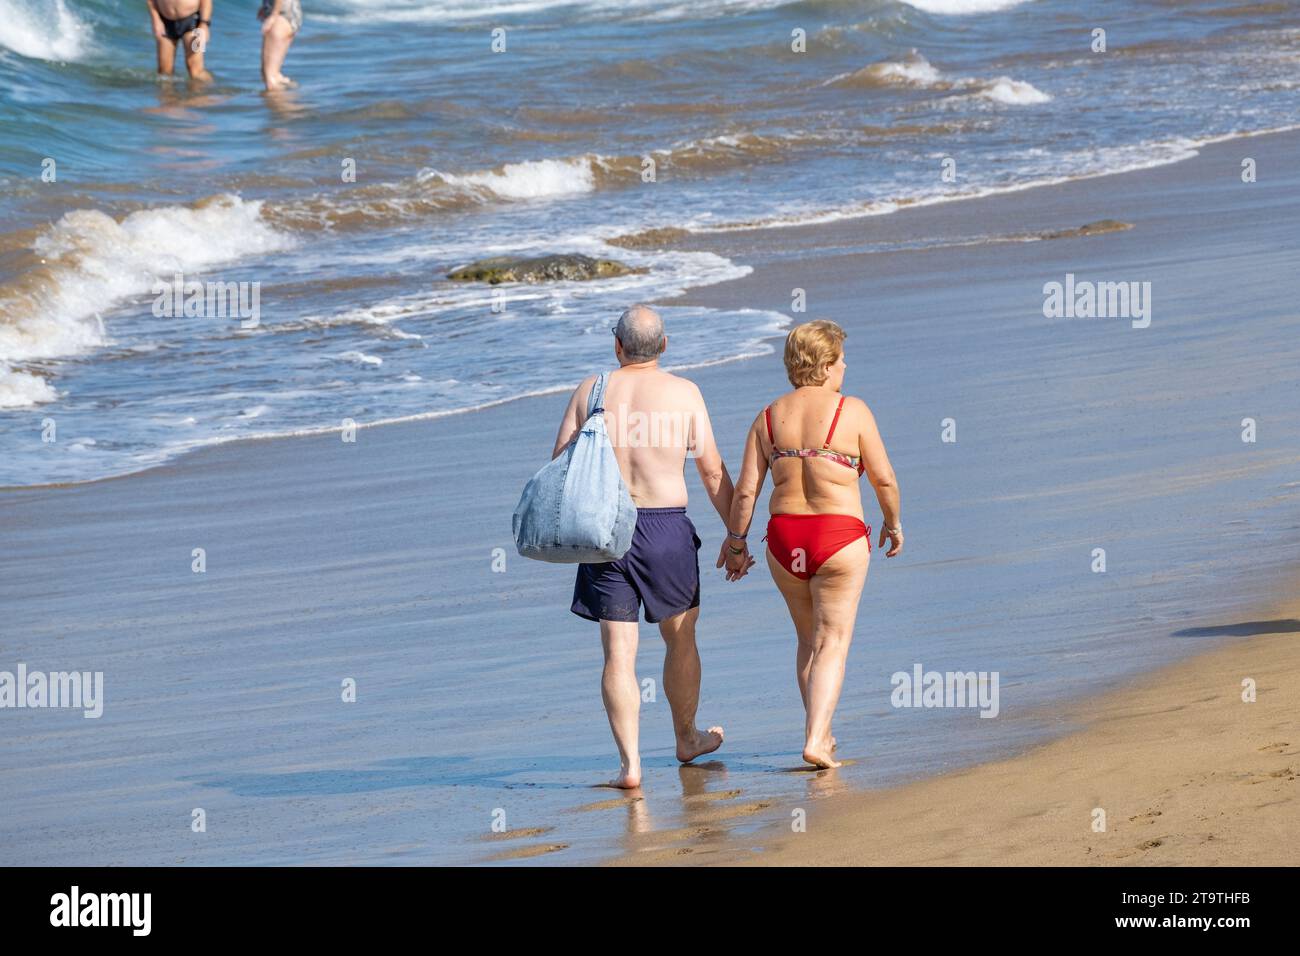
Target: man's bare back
(653, 418)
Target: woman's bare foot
(629, 778)
(821, 755)
(699, 743)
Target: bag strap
(597, 395)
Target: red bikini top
(823, 452)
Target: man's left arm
(572, 421)
(205, 21)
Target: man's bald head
(641, 332)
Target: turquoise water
(462, 152)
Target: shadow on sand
(1243, 629)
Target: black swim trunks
(176, 29)
(661, 570)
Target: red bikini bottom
(803, 543)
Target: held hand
(738, 564)
(895, 536)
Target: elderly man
(655, 420)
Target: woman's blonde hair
(809, 348)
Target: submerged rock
(650, 238)
(554, 268)
(1088, 229)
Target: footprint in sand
(719, 795)
(1286, 773)
(1277, 748)
(1148, 817)
(748, 809)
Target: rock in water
(1088, 229)
(556, 268)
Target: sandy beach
(1178, 769)
(477, 691)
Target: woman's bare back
(815, 485)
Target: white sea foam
(916, 71)
(962, 7)
(91, 263)
(22, 389)
(359, 358)
(1086, 164)
(1013, 92)
(43, 30)
(531, 179)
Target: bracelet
(889, 530)
(738, 537)
(735, 550)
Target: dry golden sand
(1187, 772)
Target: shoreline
(373, 561)
(723, 238)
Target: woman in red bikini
(817, 443)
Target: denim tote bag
(577, 508)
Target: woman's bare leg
(275, 47)
(798, 598)
(836, 590)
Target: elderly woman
(817, 444)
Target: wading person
(281, 20)
(182, 21)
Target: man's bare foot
(699, 743)
(821, 756)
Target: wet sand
(1176, 770)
